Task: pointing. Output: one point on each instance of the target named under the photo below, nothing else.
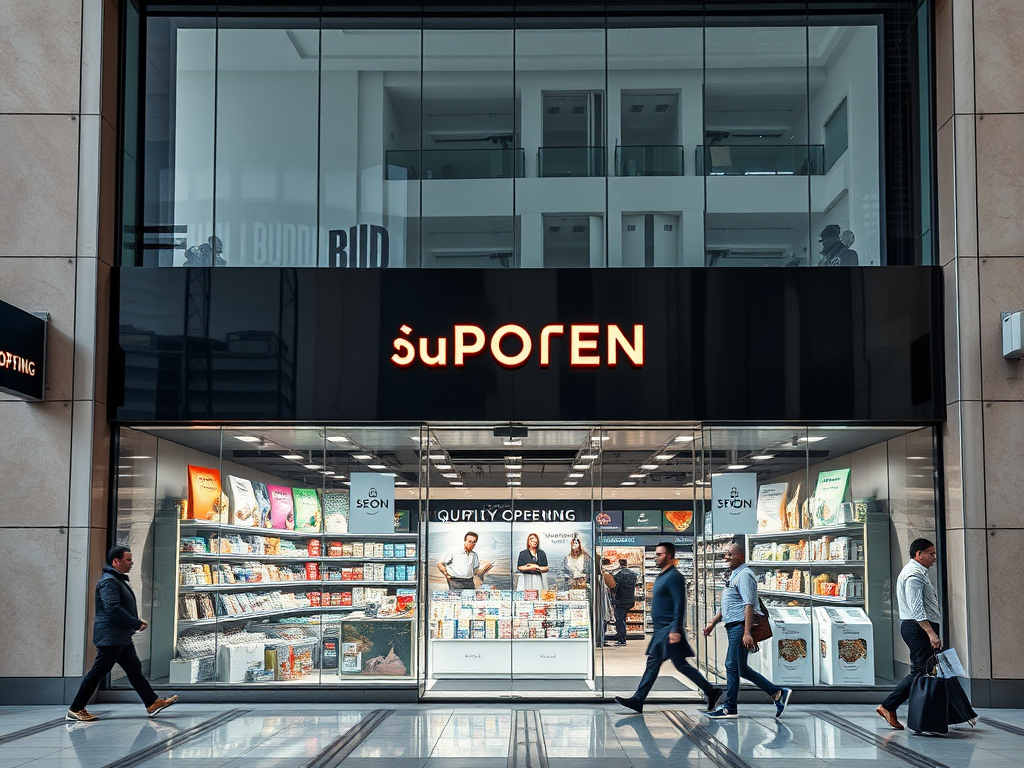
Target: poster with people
(475, 555)
(565, 550)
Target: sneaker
(721, 714)
(630, 703)
(712, 699)
(782, 701)
(83, 716)
(154, 708)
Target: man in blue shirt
(739, 604)
(668, 614)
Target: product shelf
(292, 558)
(803, 533)
(814, 598)
(843, 563)
(277, 584)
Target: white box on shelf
(183, 671)
(233, 661)
(786, 656)
(845, 646)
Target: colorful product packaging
(282, 508)
(206, 501)
(244, 507)
(263, 503)
(306, 510)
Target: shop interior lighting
(247, 438)
(665, 456)
(763, 456)
(570, 482)
(389, 474)
(442, 467)
(377, 466)
(513, 474)
(514, 482)
(346, 482)
(737, 466)
(362, 456)
(457, 482)
(596, 439)
(313, 466)
(917, 458)
(513, 466)
(437, 456)
(627, 482)
(139, 458)
(638, 475)
(581, 466)
(509, 442)
(588, 456)
(400, 482)
(449, 474)
(811, 439)
(513, 458)
(337, 439)
(683, 439)
(326, 472)
(649, 466)
(292, 456)
(575, 474)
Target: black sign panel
(738, 344)
(521, 511)
(22, 352)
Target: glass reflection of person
(461, 565)
(533, 565)
(576, 565)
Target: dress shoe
(890, 718)
(630, 703)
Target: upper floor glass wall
(518, 143)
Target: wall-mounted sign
(678, 521)
(641, 521)
(511, 346)
(22, 352)
(733, 496)
(472, 511)
(610, 521)
(372, 503)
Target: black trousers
(920, 651)
(655, 658)
(620, 621)
(106, 657)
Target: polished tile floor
(487, 735)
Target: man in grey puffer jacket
(117, 619)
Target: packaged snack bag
(263, 503)
(244, 508)
(282, 508)
(206, 501)
(307, 510)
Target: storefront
(399, 475)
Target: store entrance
(525, 529)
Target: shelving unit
(312, 617)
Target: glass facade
(254, 567)
(519, 142)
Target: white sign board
(371, 503)
(733, 502)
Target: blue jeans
(736, 667)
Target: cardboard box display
(845, 646)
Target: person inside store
(605, 609)
(117, 620)
(668, 615)
(624, 599)
(576, 565)
(532, 565)
(461, 565)
(919, 622)
(740, 603)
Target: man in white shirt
(919, 622)
(461, 566)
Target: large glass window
(516, 142)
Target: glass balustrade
(760, 160)
(489, 163)
(665, 160)
(571, 161)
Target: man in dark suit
(623, 600)
(668, 614)
(117, 619)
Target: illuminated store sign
(511, 346)
(22, 352)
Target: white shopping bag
(948, 664)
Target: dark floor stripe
(528, 750)
(905, 754)
(32, 729)
(165, 745)
(716, 751)
(343, 746)
(1002, 726)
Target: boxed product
(185, 671)
(351, 659)
(785, 658)
(282, 508)
(206, 500)
(845, 646)
(244, 508)
(306, 510)
(235, 661)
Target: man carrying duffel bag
(937, 700)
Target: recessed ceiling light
(763, 456)
(313, 466)
(514, 482)
(627, 482)
(400, 482)
(513, 466)
(581, 466)
(388, 474)
(138, 457)
(570, 482)
(449, 474)
(292, 456)
(648, 466)
(737, 466)
(513, 474)
(512, 442)
(638, 475)
(362, 456)
(377, 466)
(326, 472)
(575, 474)
(683, 439)
(437, 456)
(456, 482)
(596, 439)
(442, 466)
(337, 439)
(345, 482)
(811, 439)
(917, 458)
(513, 458)
(247, 438)
(665, 456)
(588, 456)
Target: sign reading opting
(22, 352)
